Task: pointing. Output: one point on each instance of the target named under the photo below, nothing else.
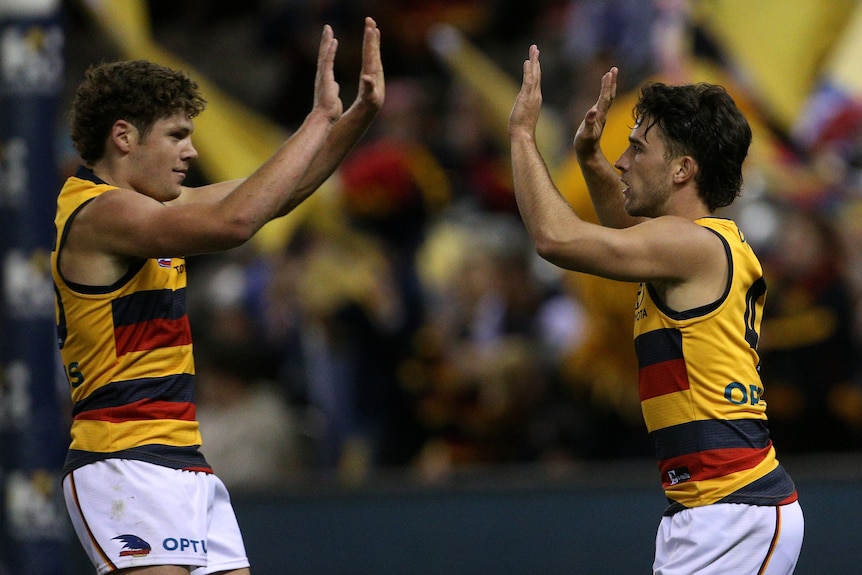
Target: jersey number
(754, 295)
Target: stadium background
(488, 422)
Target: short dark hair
(703, 121)
(137, 91)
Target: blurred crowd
(411, 325)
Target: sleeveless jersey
(127, 354)
(701, 393)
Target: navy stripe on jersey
(174, 388)
(705, 435)
(188, 458)
(774, 488)
(658, 346)
(151, 319)
(662, 368)
(149, 305)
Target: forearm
(274, 188)
(603, 183)
(209, 193)
(343, 136)
(549, 219)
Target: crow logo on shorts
(133, 546)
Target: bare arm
(343, 136)
(125, 223)
(546, 214)
(602, 178)
(669, 248)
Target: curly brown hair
(137, 91)
(701, 120)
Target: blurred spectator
(485, 362)
(849, 222)
(334, 310)
(476, 160)
(392, 183)
(807, 346)
(599, 34)
(617, 30)
(250, 436)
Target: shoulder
(723, 226)
(115, 204)
(677, 230)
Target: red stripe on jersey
(662, 378)
(714, 463)
(144, 409)
(152, 334)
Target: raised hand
(525, 112)
(372, 85)
(590, 131)
(326, 89)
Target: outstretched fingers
(608, 91)
(590, 131)
(372, 87)
(326, 89)
(525, 113)
(533, 74)
(326, 52)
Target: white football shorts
(730, 538)
(132, 514)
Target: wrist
(364, 108)
(589, 155)
(522, 134)
(321, 116)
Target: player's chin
(171, 192)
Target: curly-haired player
(139, 492)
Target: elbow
(237, 232)
(543, 248)
(567, 252)
(549, 248)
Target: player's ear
(123, 134)
(684, 169)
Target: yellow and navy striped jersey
(127, 353)
(701, 392)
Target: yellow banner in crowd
(777, 46)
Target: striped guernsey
(127, 354)
(701, 393)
